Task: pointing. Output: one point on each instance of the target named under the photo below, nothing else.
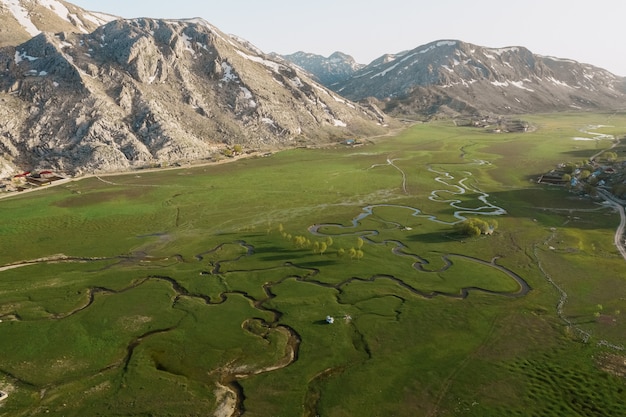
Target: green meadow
(208, 290)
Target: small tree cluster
(476, 227)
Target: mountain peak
(148, 91)
(23, 19)
(472, 78)
(336, 68)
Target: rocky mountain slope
(450, 76)
(145, 91)
(337, 68)
(20, 20)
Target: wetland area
(206, 290)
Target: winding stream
(228, 389)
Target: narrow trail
(391, 162)
(584, 335)
(618, 238)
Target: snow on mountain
(458, 76)
(23, 19)
(149, 91)
(327, 70)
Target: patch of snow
(500, 84)
(271, 64)
(187, 43)
(520, 84)
(490, 56)
(447, 68)
(297, 82)
(383, 73)
(98, 18)
(339, 123)
(582, 139)
(43, 73)
(57, 7)
(363, 75)
(19, 57)
(500, 51)
(557, 82)
(560, 59)
(408, 56)
(21, 15)
(268, 121)
(56, 84)
(246, 93)
(446, 43)
(228, 72)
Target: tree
(359, 242)
(476, 227)
(323, 247)
(316, 247)
(329, 240)
(569, 167)
(237, 148)
(610, 156)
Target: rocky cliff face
(142, 91)
(451, 76)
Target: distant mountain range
(88, 92)
(330, 71)
(454, 77)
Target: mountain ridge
(330, 70)
(148, 91)
(454, 77)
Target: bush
(476, 227)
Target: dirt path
(619, 233)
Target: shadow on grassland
(554, 206)
(434, 237)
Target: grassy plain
(187, 292)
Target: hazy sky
(587, 31)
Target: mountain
(328, 71)
(20, 20)
(450, 76)
(147, 91)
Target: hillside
(20, 20)
(146, 91)
(451, 77)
